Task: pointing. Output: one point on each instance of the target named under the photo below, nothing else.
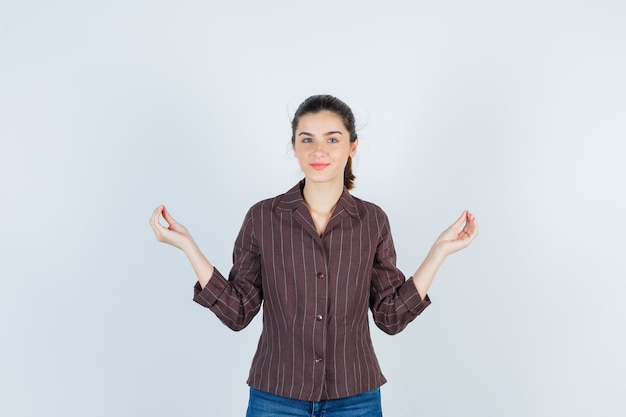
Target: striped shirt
(316, 291)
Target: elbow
(235, 325)
(237, 328)
(390, 328)
(232, 317)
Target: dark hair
(325, 102)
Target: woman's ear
(353, 147)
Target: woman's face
(322, 146)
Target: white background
(515, 110)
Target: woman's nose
(320, 148)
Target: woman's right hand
(174, 233)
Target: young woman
(317, 258)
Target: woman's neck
(321, 200)
(322, 197)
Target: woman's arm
(395, 302)
(177, 235)
(451, 240)
(234, 301)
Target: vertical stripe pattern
(316, 291)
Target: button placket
(320, 283)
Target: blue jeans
(263, 404)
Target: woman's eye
(333, 140)
(307, 140)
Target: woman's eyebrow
(334, 132)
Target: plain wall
(515, 110)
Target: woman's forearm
(200, 264)
(425, 274)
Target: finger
(471, 227)
(155, 222)
(154, 219)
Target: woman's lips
(319, 167)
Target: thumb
(168, 217)
(459, 222)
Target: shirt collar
(293, 200)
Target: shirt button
(320, 275)
(319, 317)
(318, 360)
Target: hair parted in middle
(325, 102)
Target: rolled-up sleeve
(237, 300)
(394, 300)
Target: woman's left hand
(455, 238)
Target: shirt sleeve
(394, 300)
(237, 300)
